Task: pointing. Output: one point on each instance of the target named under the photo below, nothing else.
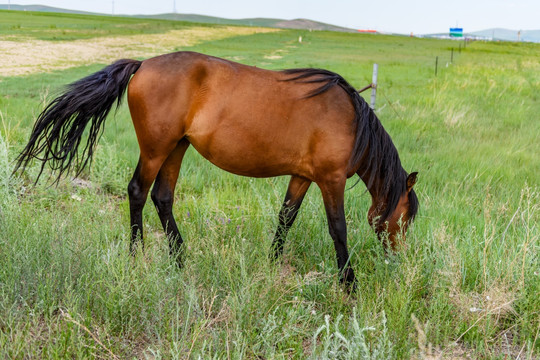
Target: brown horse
(306, 123)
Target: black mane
(372, 142)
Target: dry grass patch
(457, 116)
(20, 57)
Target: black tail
(58, 131)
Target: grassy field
(65, 27)
(467, 285)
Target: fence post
(374, 85)
(436, 64)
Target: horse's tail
(59, 128)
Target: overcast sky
(400, 16)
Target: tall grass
(467, 284)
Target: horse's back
(246, 120)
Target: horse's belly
(252, 156)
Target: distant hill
(490, 34)
(212, 19)
(43, 8)
(310, 24)
(496, 34)
(509, 35)
(266, 22)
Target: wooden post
(436, 64)
(374, 85)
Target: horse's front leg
(333, 197)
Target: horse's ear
(411, 180)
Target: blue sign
(456, 32)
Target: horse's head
(391, 228)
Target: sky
(397, 16)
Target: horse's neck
(375, 186)
(374, 182)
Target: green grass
(62, 27)
(467, 284)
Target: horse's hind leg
(163, 196)
(138, 188)
(293, 199)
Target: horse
(307, 123)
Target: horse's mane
(372, 142)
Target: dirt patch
(20, 57)
(275, 55)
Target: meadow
(466, 286)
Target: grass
(65, 27)
(466, 286)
